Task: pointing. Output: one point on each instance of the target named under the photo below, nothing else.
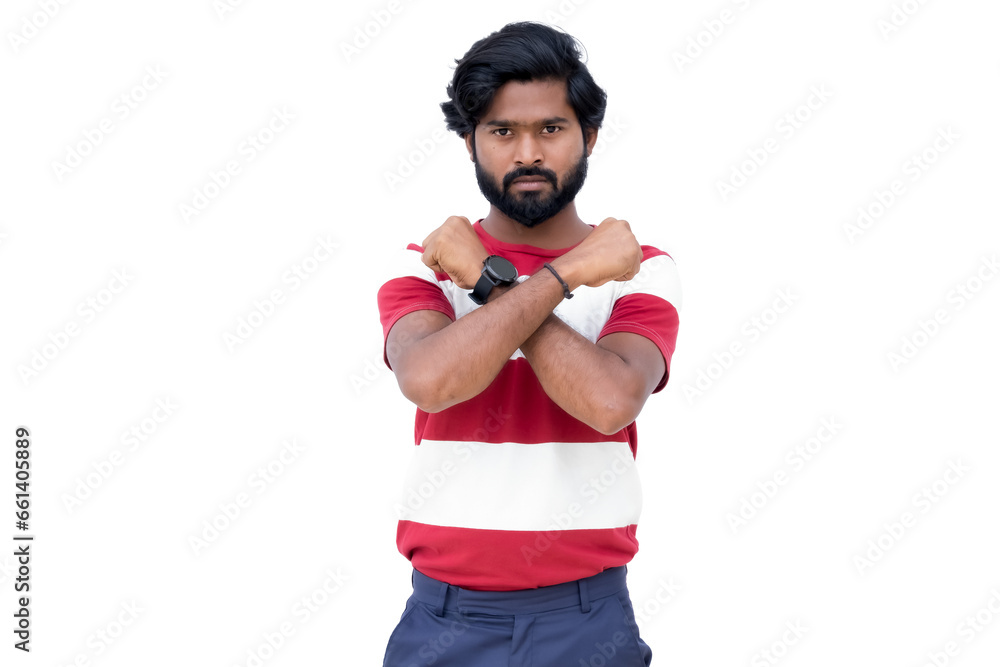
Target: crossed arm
(439, 363)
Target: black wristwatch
(496, 271)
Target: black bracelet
(566, 293)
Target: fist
(454, 248)
(610, 252)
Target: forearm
(462, 359)
(590, 383)
(450, 362)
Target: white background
(312, 370)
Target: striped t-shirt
(506, 490)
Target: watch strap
(482, 289)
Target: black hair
(521, 51)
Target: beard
(530, 208)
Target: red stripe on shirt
(513, 408)
(505, 560)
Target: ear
(591, 135)
(468, 145)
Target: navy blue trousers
(583, 623)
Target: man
(529, 342)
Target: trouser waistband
(442, 596)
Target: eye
(501, 129)
(554, 128)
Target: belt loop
(442, 593)
(584, 597)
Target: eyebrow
(555, 120)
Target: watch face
(501, 268)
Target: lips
(532, 183)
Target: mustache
(547, 174)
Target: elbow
(616, 411)
(611, 427)
(613, 418)
(426, 392)
(432, 407)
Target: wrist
(499, 290)
(567, 270)
(474, 271)
(496, 272)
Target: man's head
(527, 107)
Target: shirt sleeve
(411, 286)
(649, 305)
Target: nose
(528, 150)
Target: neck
(562, 230)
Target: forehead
(529, 102)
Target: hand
(610, 252)
(455, 249)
